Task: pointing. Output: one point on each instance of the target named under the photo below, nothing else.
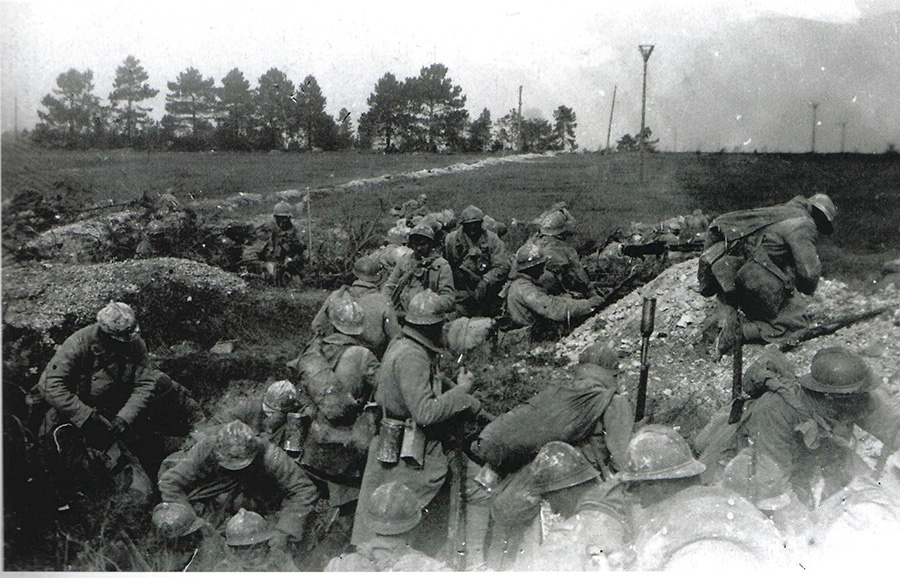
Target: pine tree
(386, 117)
(480, 133)
(317, 126)
(71, 114)
(345, 132)
(275, 109)
(564, 128)
(235, 109)
(437, 107)
(191, 102)
(130, 88)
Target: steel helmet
(422, 230)
(824, 203)
(658, 452)
(426, 308)
(368, 268)
(758, 478)
(838, 370)
(281, 396)
(118, 321)
(493, 225)
(558, 466)
(346, 315)
(529, 255)
(471, 214)
(397, 235)
(282, 209)
(247, 528)
(601, 355)
(556, 222)
(174, 519)
(235, 445)
(393, 509)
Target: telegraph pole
(521, 138)
(646, 51)
(843, 134)
(814, 105)
(611, 109)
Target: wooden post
(611, 109)
(309, 222)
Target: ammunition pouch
(762, 288)
(412, 449)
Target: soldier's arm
(445, 286)
(771, 428)
(807, 267)
(500, 261)
(389, 322)
(62, 367)
(555, 308)
(883, 420)
(426, 408)
(392, 281)
(320, 324)
(145, 380)
(618, 421)
(300, 494)
(178, 481)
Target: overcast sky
(724, 73)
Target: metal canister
(487, 477)
(389, 440)
(295, 434)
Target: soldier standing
(418, 413)
(479, 262)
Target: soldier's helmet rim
(825, 205)
(247, 528)
(393, 509)
(838, 370)
(471, 214)
(236, 446)
(658, 452)
(558, 466)
(347, 316)
(529, 255)
(368, 268)
(282, 209)
(175, 520)
(426, 308)
(281, 396)
(423, 231)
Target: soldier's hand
(121, 429)
(595, 301)
(98, 432)
(465, 380)
(480, 290)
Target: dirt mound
(685, 384)
(93, 240)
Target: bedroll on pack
(338, 451)
(555, 414)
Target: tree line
(424, 113)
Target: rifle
(611, 295)
(830, 327)
(648, 316)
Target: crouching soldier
(418, 410)
(806, 425)
(283, 254)
(392, 513)
(424, 269)
(268, 417)
(531, 309)
(235, 468)
(251, 546)
(187, 542)
(100, 387)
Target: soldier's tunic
(409, 387)
(380, 325)
(369, 558)
(810, 440)
(412, 276)
(272, 482)
(484, 263)
(283, 245)
(529, 305)
(564, 264)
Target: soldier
(417, 407)
(411, 208)
(234, 467)
(529, 305)
(559, 475)
(757, 261)
(250, 546)
(283, 252)
(168, 230)
(564, 273)
(806, 425)
(424, 269)
(380, 325)
(266, 416)
(188, 543)
(392, 513)
(393, 252)
(479, 262)
(590, 414)
(101, 388)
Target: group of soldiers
(375, 423)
